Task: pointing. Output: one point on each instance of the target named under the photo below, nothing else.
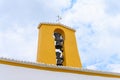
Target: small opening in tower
(59, 42)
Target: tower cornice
(56, 24)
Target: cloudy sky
(97, 24)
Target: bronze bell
(58, 45)
(58, 55)
(58, 37)
(60, 61)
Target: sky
(96, 23)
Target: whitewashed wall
(19, 73)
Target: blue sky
(96, 22)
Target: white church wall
(8, 72)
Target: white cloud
(98, 32)
(92, 67)
(18, 42)
(114, 67)
(35, 10)
(84, 11)
(113, 7)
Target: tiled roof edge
(54, 66)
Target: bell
(62, 58)
(58, 45)
(59, 62)
(58, 55)
(57, 34)
(58, 37)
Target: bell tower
(57, 45)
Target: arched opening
(59, 46)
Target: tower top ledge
(57, 24)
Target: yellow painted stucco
(46, 48)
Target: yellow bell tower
(57, 45)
